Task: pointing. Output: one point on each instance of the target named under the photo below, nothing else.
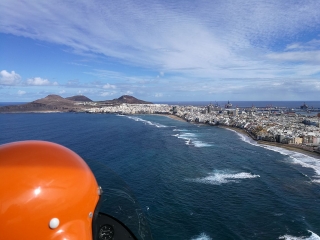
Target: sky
(182, 50)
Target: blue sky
(160, 50)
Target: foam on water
(313, 236)
(245, 138)
(180, 130)
(296, 158)
(316, 180)
(219, 177)
(187, 135)
(137, 119)
(201, 144)
(191, 139)
(202, 236)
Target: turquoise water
(192, 181)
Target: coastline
(274, 144)
(173, 117)
(289, 147)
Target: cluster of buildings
(126, 108)
(268, 124)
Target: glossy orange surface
(40, 181)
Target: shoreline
(173, 117)
(276, 144)
(260, 142)
(289, 147)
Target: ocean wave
(300, 159)
(313, 236)
(201, 144)
(316, 180)
(202, 236)
(225, 176)
(187, 135)
(296, 158)
(245, 138)
(180, 130)
(137, 119)
(191, 139)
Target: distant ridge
(79, 98)
(50, 103)
(53, 100)
(127, 99)
(56, 103)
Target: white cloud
(157, 95)
(128, 93)
(20, 92)
(7, 78)
(109, 86)
(38, 81)
(86, 91)
(313, 44)
(105, 94)
(301, 56)
(106, 74)
(78, 64)
(170, 37)
(203, 41)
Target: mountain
(56, 103)
(79, 98)
(51, 103)
(127, 99)
(53, 100)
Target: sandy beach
(175, 117)
(275, 144)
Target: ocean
(192, 181)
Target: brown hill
(53, 100)
(128, 99)
(51, 103)
(55, 103)
(79, 98)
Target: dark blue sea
(192, 181)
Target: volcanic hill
(127, 99)
(56, 103)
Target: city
(267, 124)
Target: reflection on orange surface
(40, 181)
